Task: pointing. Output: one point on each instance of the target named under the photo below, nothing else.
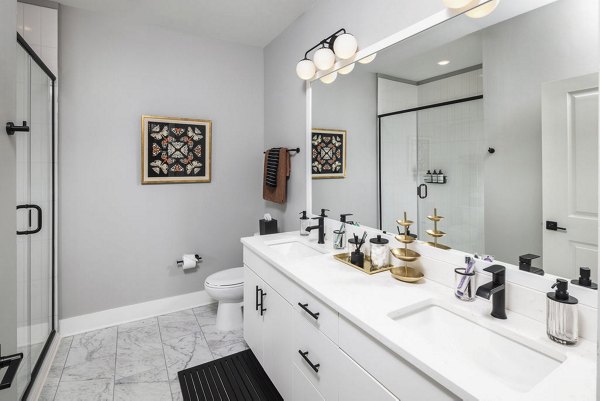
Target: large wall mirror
(504, 110)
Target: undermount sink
(474, 347)
(294, 249)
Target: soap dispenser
(304, 223)
(561, 314)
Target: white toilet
(227, 287)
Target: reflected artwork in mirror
(493, 122)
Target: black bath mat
(237, 377)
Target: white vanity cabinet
(300, 342)
(268, 330)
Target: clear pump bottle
(304, 223)
(561, 314)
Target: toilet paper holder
(198, 260)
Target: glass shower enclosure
(35, 150)
(447, 136)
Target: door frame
(40, 361)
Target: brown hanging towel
(276, 174)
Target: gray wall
(8, 185)
(518, 56)
(350, 103)
(285, 111)
(119, 240)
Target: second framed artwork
(175, 150)
(328, 153)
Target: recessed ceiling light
(443, 62)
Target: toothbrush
(464, 280)
(339, 236)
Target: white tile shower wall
(451, 139)
(39, 27)
(399, 175)
(394, 95)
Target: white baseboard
(130, 313)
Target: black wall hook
(491, 151)
(11, 128)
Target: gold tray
(405, 239)
(405, 223)
(438, 245)
(437, 234)
(435, 218)
(407, 255)
(406, 274)
(345, 258)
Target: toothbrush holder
(464, 287)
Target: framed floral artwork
(175, 150)
(328, 153)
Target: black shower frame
(42, 356)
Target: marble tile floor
(138, 360)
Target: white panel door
(570, 174)
(253, 321)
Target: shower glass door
(35, 205)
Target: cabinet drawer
(302, 388)
(316, 313)
(355, 384)
(400, 377)
(320, 360)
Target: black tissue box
(268, 227)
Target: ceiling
(249, 22)
(461, 53)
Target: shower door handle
(39, 219)
(422, 191)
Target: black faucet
(320, 226)
(495, 289)
(525, 264)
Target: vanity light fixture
(443, 62)
(456, 3)
(347, 69)
(483, 10)
(345, 46)
(306, 69)
(340, 44)
(477, 12)
(368, 59)
(329, 78)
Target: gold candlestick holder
(436, 233)
(405, 273)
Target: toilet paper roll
(189, 262)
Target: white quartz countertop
(368, 300)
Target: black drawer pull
(312, 365)
(305, 307)
(256, 297)
(262, 302)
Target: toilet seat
(228, 278)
